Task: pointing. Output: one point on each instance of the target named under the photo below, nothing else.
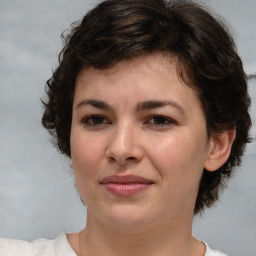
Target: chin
(128, 220)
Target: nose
(125, 145)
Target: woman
(150, 103)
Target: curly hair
(207, 60)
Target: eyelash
(164, 121)
(90, 121)
(99, 120)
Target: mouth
(125, 186)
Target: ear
(219, 149)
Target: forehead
(156, 64)
(157, 68)
(131, 82)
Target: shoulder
(40, 247)
(210, 252)
(13, 247)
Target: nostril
(131, 158)
(111, 159)
(124, 155)
(122, 161)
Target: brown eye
(95, 120)
(160, 120)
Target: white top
(58, 247)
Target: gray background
(37, 195)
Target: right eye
(95, 120)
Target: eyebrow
(145, 105)
(95, 103)
(151, 104)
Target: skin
(166, 144)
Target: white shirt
(57, 247)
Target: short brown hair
(116, 30)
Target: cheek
(86, 153)
(179, 157)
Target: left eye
(95, 120)
(160, 120)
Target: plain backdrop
(37, 193)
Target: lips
(127, 185)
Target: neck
(174, 239)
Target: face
(138, 143)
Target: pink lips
(127, 185)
